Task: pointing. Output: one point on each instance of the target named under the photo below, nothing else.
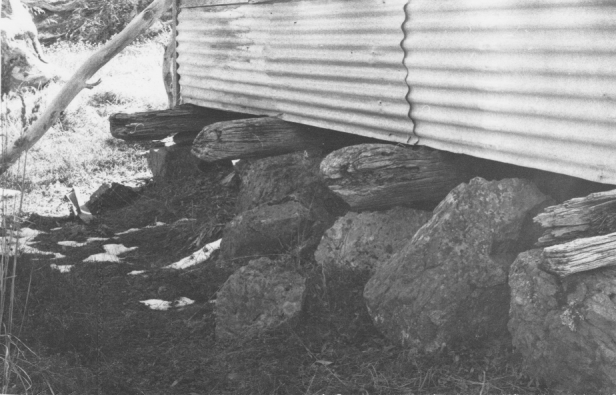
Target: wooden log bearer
(379, 176)
(592, 215)
(79, 80)
(156, 125)
(261, 137)
(581, 255)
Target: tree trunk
(156, 125)
(261, 137)
(592, 215)
(378, 176)
(581, 255)
(80, 79)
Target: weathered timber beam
(581, 255)
(592, 215)
(261, 137)
(377, 176)
(156, 125)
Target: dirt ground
(89, 333)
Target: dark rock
(449, 283)
(175, 162)
(110, 197)
(360, 241)
(565, 329)
(271, 179)
(267, 230)
(258, 297)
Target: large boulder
(23, 63)
(258, 297)
(565, 328)
(449, 283)
(267, 230)
(360, 241)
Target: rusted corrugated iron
(330, 64)
(527, 82)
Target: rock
(267, 230)
(449, 283)
(174, 162)
(272, 178)
(258, 297)
(360, 241)
(565, 329)
(111, 196)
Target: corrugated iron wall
(331, 64)
(527, 82)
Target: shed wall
(520, 81)
(324, 63)
(528, 82)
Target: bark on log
(378, 176)
(592, 215)
(262, 137)
(156, 125)
(80, 79)
(581, 255)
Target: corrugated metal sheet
(331, 64)
(529, 82)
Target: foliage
(93, 21)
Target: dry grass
(79, 150)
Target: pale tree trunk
(79, 80)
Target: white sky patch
(234, 161)
(55, 229)
(102, 257)
(196, 257)
(136, 272)
(117, 249)
(62, 268)
(163, 305)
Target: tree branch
(79, 80)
